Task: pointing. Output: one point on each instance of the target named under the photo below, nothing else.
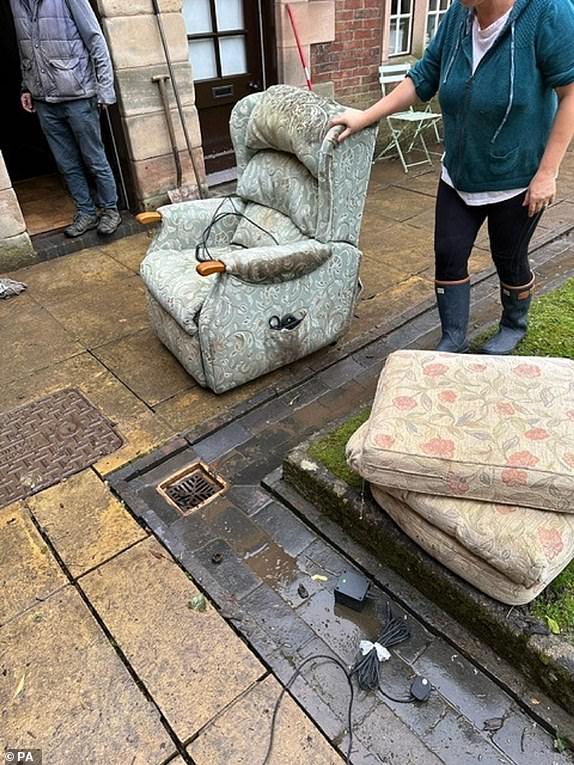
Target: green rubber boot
(514, 322)
(453, 302)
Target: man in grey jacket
(67, 78)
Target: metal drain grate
(192, 487)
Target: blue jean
(73, 132)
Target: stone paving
(102, 656)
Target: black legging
(456, 228)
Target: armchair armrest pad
(277, 263)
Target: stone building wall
(135, 46)
(15, 245)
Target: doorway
(41, 191)
(232, 53)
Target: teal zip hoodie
(497, 121)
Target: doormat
(43, 442)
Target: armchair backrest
(288, 159)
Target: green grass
(550, 333)
(557, 601)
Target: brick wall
(352, 60)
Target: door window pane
(232, 53)
(197, 16)
(229, 14)
(202, 59)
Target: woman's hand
(353, 120)
(541, 192)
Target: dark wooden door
(232, 54)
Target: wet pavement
(100, 618)
(271, 572)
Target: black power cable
(216, 218)
(290, 683)
(367, 669)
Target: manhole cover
(44, 442)
(192, 487)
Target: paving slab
(28, 571)
(19, 305)
(145, 366)
(458, 743)
(241, 734)
(382, 732)
(35, 340)
(64, 689)
(104, 313)
(73, 275)
(370, 313)
(129, 251)
(190, 408)
(190, 661)
(84, 521)
(141, 429)
(402, 204)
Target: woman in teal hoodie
(504, 74)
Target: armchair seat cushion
(172, 280)
(495, 429)
(510, 553)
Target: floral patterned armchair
(280, 263)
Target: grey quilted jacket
(63, 52)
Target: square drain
(192, 488)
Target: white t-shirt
(482, 41)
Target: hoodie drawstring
(512, 75)
(468, 22)
(455, 52)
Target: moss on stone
(550, 333)
(330, 450)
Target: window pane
(444, 4)
(400, 34)
(394, 7)
(431, 28)
(233, 58)
(197, 15)
(394, 45)
(433, 5)
(229, 14)
(406, 6)
(404, 34)
(202, 59)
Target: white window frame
(437, 16)
(398, 17)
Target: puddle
(367, 620)
(272, 565)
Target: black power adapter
(351, 590)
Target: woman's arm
(400, 98)
(542, 189)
